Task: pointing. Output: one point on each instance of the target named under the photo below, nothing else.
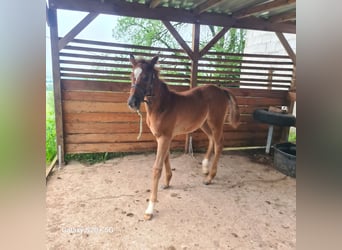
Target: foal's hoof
(148, 216)
(206, 182)
(165, 186)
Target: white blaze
(137, 73)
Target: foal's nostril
(133, 102)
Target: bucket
(285, 158)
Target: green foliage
(292, 136)
(143, 32)
(51, 148)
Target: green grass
(292, 136)
(92, 158)
(50, 143)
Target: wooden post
(196, 56)
(194, 68)
(290, 103)
(52, 15)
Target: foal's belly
(189, 123)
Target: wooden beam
(179, 39)
(155, 3)
(76, 30)
(217, 37)
(123, 8)
(50, 167)
(195, 48)
(284, 17)
(206, 5)
(56, 79)
(287, 47)
(270, 5)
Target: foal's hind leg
(168, 171)
(205, 163)
(218, 143)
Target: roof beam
(284, 17)
(214, 40)
(179, 39)
(262, 8)
(123, 8)
(206, 6)
(76, 30)
(287, 46)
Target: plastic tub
(285, 158)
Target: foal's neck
(161, 97)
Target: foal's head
(142, 80)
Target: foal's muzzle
(134, 102)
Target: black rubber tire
(273, 118)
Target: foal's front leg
(162, 152)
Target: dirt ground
(249, 205)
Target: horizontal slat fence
(95, 78)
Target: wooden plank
(88, 107)
(129, 46)
(206, 5)
(119, 52)
(249, 73)
(214, 53)
(283, 17)
(266, 80)
(268, 6)
(108, 138)
(104, 128)
(243, 61)
(117, 147)
(76, 30)
(93, 85)
(110, 147)
(50, 167)
(113, 97)
(102, 117)
(229, 66)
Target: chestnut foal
(170, 114)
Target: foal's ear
(132, 60)
(154, 60)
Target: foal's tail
(234, 112)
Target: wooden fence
(95, 79)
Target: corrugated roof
(268, 15)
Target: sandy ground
(250, 205)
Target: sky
(99, 29)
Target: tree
(144, 32)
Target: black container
(285, 158)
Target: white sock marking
(205, 164)
(149, 209)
